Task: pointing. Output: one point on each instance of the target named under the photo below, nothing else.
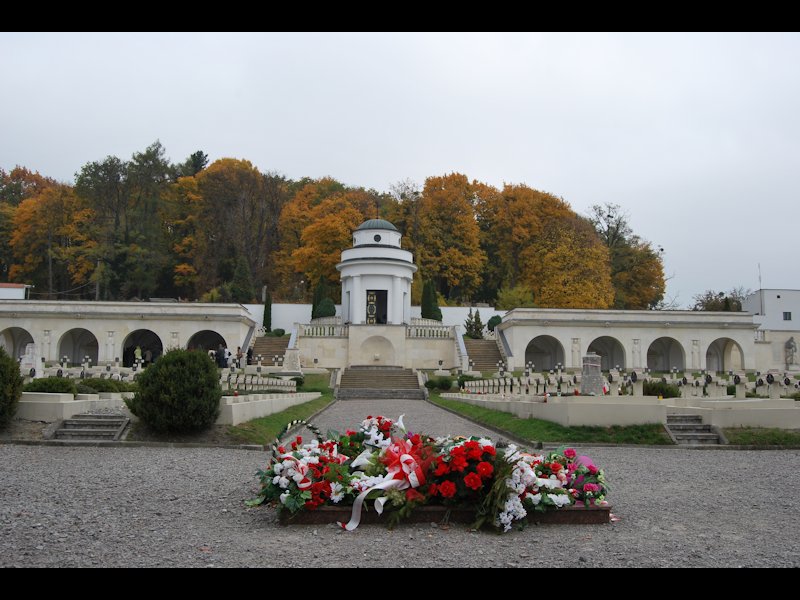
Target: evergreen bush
(430, 305)
(659, 388)
(326, 308)
(51, 385)
(178, 393)
(268, 313)
(494, 322)
(10, 387)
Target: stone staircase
(379, 383)
(92, 427)
(689, 430)
(269, 347)
(484, 354)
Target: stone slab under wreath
(570, 515)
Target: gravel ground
(136, 507)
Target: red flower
(298, 440)
(485, 470)
(416, 439)
(458, 463)
(433, 489)
(457, 451)
(473, 481)
(413, 495)
(442, 468)
(473, 449)
(447, 489)
(555, 467)
(489, 450)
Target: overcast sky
(695, 135)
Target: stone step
(690, 427)
(483, 353)
(379, 394)
(684, 419)
(112, 424)
(86, 434)
(696, 438)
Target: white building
(777, 314)
(376, 276)
(13, 291)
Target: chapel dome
(376, 224)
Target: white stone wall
(640, 334)
(770, 305)
(101, 328)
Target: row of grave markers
(708, 383)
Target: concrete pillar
(396, 313)
(358, 302)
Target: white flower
(559, 499)
(276, 479)
(284, 496)
(298, 477)
(486, 442)
(535, 498)
(283, 483)
(337, 492)
(277, 469)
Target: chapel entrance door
(377, 307)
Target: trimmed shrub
(179, 392)
(730, 390)
(51, 385)
(10, 387)
(104, 385)
(430, 304)
(659, 388)
(494, 322)
(444, 383)
(326, 308)
(277, 332)
(299, 381)
(82, 388)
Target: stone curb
(552, 445)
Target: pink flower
(570, 453)
(591, 488)
(592, 469)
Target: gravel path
(136, 507)
(419, 416)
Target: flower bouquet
(408, 476)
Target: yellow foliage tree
(329, 231)
(572, 268)
(448, 246)
(51, 247)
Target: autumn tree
(21, 183)
(572, 269)
(295, 216)
(637, 271)
(519, 296)
(43, 239)
(448, 249)
(328, 232)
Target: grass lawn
(536, 430)
(761, 436)
(263, 430)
